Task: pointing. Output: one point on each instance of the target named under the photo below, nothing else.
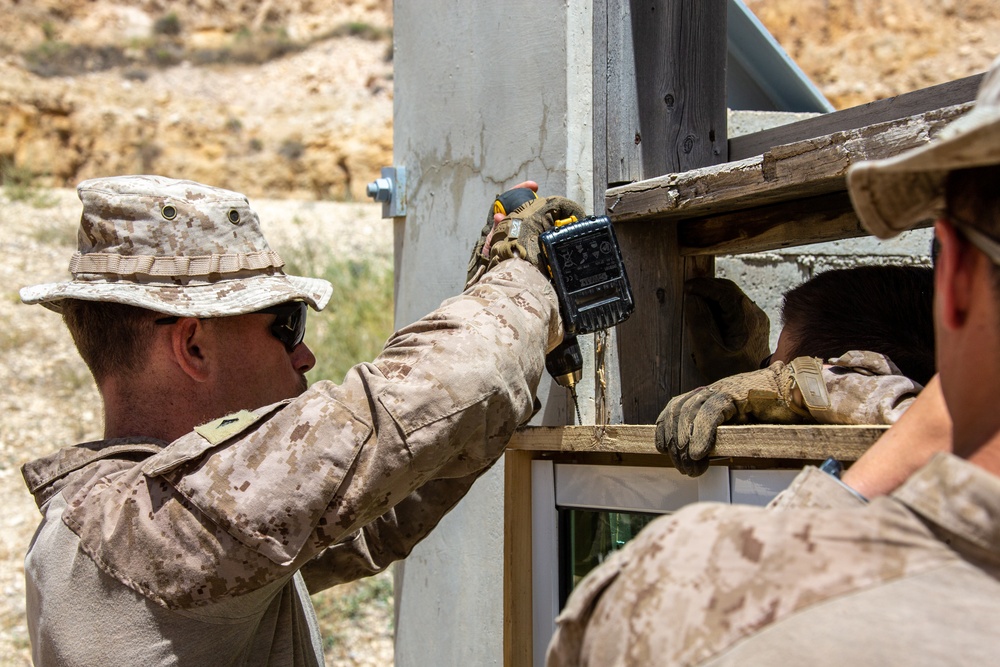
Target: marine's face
(258, 369)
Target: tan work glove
(780, 393)
(727, 332)
(516, 235)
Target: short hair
(972, 200)
(111, 337)
(884, 309)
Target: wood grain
(808, 168)
(768, 441)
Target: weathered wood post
(659, 108)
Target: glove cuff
(807, 373)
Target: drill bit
(576, 404)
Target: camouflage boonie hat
(175, 247)
(897, 193)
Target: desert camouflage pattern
(338, 482)
(862, 387)
(516, 235)
(176, 247)
(865, 388)
(909, 579)
(813, 488)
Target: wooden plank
(798, 222)
(784, 225)
(649, 342)
(677, 111)
(517, 610)
(807, 168)
(913, 103)
(680, 52)
(768, 441)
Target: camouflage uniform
(203, 551)
(819, 579)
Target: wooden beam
(803, 169)
(784, 225)
(914, 103)
(794, 223)
(517, 591)
(665, 111)
(769, 441)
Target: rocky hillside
(857, 51)
(285, 98)
(293, 98)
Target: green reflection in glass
(590, 535)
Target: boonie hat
(897, 193)
(175, 247)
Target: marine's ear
(954, 269)
(188, 347)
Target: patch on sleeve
(226, 427)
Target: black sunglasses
(289, 325)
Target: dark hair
(972, 200)
(884, 309)
(111, 337)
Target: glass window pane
(588, 537)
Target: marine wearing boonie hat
(175, 247)
(897, 193)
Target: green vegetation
(291, 149)
(250, 48)
(165, 48)
(53, 233)
(56, 58)
(358, 320)
(360, 30)
(19, 185)
(169, 24)
(343, 605)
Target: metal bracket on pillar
(390, 189)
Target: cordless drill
(585, 267)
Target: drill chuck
(565, 362)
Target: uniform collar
(48, 475)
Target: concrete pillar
(486, 95)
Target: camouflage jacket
(204, 550)
(818, 579)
